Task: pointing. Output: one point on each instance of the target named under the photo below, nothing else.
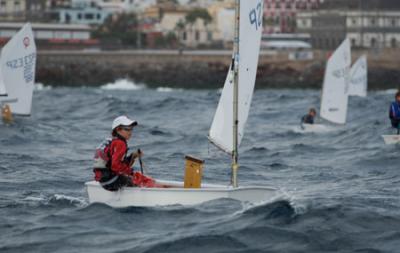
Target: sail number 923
(255, 16)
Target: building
(223, 20)
(78, 12)
(37, 10)
(280, 15)
(367, 23)
(12, 10)
(124, 5)
(56, 36)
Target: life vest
(102, 163)
(102, 158)
(394, 111)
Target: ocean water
(343, 185)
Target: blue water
(343, 185)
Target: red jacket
(119, 163)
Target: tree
(194, 14)
(123, 27)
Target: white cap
(123, 121)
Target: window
(209, 36)
(373, 42)
(184, 36)
(79, 16)
(354, 21)
(353, 42)
(393, 22)
(372, 21)
(67, 18)
(393, 43)
(89, 16)
(197, 35)
(17, 6)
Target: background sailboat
(3, 91)
(334, 98)
(17, 66)
(358, 84)
(226, 131)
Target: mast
(235, 154)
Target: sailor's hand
(137, 154)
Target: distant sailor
(112, 166)
(309, 118)
(6, 114)
(394, 112)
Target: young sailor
(6, 113)
(112, 164)
(309, 118)
(394, 112)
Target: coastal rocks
(188, 71)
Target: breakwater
(200, 69)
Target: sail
(250, 28)
(3, 91)
(358, 78)
(334, 92)
(18, 64)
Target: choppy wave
(343, 185)
(40, 87)
(123, 84)
(167, 89)
(56, 199)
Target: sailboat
(6, 114)
(334, 98)
(17, 72)
(359, 78)
(226, 131)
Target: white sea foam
(167, 89)
(388, 92)
(42, 199)
(73, 200)
(123, 84)
(40, 86)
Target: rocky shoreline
(191, 71)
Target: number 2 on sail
(255, 16)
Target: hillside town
(200, 24)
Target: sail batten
(245, 63)
(335, 88)
(359, 78)
(17, 66)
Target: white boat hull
(315, 128)
(177, 195)
(391, 139)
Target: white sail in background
(221, 132)
(335, 88)
(18, 64)
(3, 91)
(358, 78)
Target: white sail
(358, 78)
(334, 92)
(3, 91)
(18, 64)
(250, 28)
